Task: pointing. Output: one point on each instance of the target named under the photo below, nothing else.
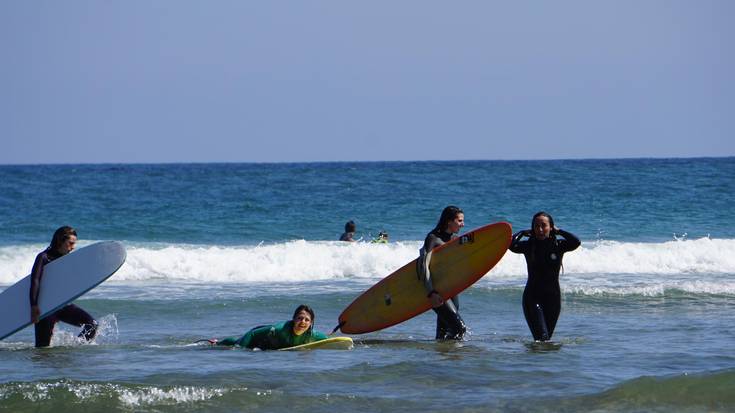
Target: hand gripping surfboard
(64, 280)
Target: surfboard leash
(340, 325)
(211, 341)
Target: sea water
(648, 300)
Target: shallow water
(648, 313)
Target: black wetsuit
(70, 313)
(449, 324)
(542, 295)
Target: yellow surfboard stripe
(333, 343)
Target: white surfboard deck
(64, 280)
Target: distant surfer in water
(381, 239)
(62, 243)
(543, 252)
(449, 325)
(299, 330)
(349, 234)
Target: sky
(312, 81)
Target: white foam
(701, 256)
(700, 265)
(67, 336)
(174, 395)
(16, 261)
(290, 261)
(130, 397)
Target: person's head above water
(451, 220)
(542, 225)
(64, 240)
(350, 226)
(303, 319)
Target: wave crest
(700, 266)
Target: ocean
(648, 300)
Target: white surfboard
(64, 279)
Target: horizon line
(365, 161)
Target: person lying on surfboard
(544, 253)
(297, 331)
(449, 325)
(381, 239)
(62, 243)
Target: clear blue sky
(262, 81)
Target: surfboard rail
(64, 280)
(455, 266)
(332, 343)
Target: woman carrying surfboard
(543, 252)
(449, 324)
(62, 243)
(297, 331)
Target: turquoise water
(648, 313)
(234, 204)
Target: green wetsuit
(273, 337)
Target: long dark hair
(304, 307)
(551, 222)
(448, 214)
(552, 235)
(350, 226)
(60, 236)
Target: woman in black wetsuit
(449, 325)
(543, 252)
(62, 243)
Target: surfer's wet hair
(448, 215)
(60, 236)
(350, 226)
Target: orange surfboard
(454, 266)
